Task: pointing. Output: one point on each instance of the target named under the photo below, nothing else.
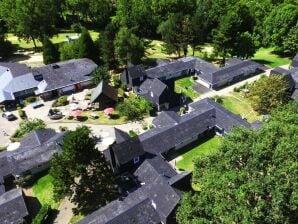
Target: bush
(182, 110)
(61, 101)
(144, 126)
(42, 215)
(132, 133)
(151, 126)
(218, 99)
(63, 128)
(30, 99)
(116, 81)
(22, 114)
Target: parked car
(9, 116)
(55, 114)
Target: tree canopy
(268, 93)
(50, 52)
(251, 179)
(81, 172)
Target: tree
(128, 47)
(282, 19)
(30, 19)
(86, 46)
(50, 52)
(6, 48)
(106, 44)
(268, 93)
(99, 74)
(81, 172)
(252, 178)
(134, 108)
(290, 43)
(69, 50)
(231, 32)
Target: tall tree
(81, 172)
(99, 74)
(86, 46)
(49, 51)
(251, 179)
(279, 24)
(6, 48)
(30, 19)
(268, 93)
(128, 47)
(231, 31)
(106, 44)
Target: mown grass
(43, 190)
(59, 38)
(268, 57)
(184, 86)
(196, 150)
(241, 106)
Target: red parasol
(76, 113)
(109, 110)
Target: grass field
(267, 57)
(197, 149)
(184, 85)
(43, 190)
(238, 104)
(59, 38)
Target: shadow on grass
(172, 154)
(262, 61)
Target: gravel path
(65, 212)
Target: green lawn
(60, 37)
(267, 57)
(43, 190)
(240, 105)
(184, 85)
(197, 149)
(101, 120)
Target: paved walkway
(65, 212)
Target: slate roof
(104, 88)
(280, 71)
(153, 168)
(63, 74)
(128, 211)
(127, 150)
(16, 69)
(166, 118)
(166, 69)
(121, 136)
(228, 72)
(295, 61)
(153, 202)
(152, 89)
(224, 118)
(12, 207)
(14, 78)
(136, 71)
(44, 146)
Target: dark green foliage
(81, 172)
(50, 52)
(69, 50)
(106, 44)
(280, 25)
(132, 133)
(27, 126)
(22, 114)
(86, 46)
(100, 74)
(42, 215)
(252, 178)
(30, 19)
(268, 93)
(61, 101)
(134, 108)
(6, 49)
(128, 47)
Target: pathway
(65, 212)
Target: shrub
(132, 133)
(151, 126)
(144, 126)
(218, 99)
(22, 114)
(42, 215)
(182, 110)
(116, 81)
(61, 101)
(30, 99)
(63, 128)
